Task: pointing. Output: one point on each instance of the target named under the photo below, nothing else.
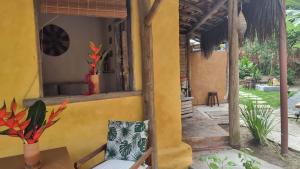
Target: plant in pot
(95, 60)
(28, 129)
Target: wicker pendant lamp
(242, 27)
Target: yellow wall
(83, 126)
(208, 74)
(173, 153)
(19, 70)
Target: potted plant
(28, 129)
(95, 60)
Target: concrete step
(204, 135)
(209, 143)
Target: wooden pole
(234, 115)
(147, 73)
(283, 81)
(189, 65)
(152, 12)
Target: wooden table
(57, 158)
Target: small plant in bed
(248, 162)
(258, 119)
(215, 162)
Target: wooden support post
(234, 115)
(189, 65)
(152, 12)
(147, 68)
(283, 81)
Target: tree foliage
(293, 4)
(267, 52)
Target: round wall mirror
(54, 40)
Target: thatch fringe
(213, 37)
(262, 18)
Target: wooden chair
(144, 159)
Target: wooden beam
(234, 115)
(148, 73)
(283, 81)
(152, 12)
(214, 10)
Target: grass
(272, 98)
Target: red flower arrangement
(29, 130)
(95, 60)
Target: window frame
(52, 100)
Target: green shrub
(258, 119)
(291, 75)
(248, 68)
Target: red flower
(94, 48)
(2, 122)
(16, 125)
(24, 125)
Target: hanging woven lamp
(242, 27)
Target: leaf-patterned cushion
(126, 140)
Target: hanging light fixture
(242, 26)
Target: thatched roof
(262, 18)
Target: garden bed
(268, 153)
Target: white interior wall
(72, 66)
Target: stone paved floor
(219, 114)
(292, 102)
(232, 155)
(294, 131)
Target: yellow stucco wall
(208, 74)
(173, 153)
(83, 126)
(19, 68)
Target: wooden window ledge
(82, 98)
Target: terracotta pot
(95, 79)
(32, 156)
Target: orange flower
(93, 47)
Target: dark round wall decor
(54, 40)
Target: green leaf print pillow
(126, 140)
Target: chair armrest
(86, 158)
(142, 159)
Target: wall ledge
(81, 98)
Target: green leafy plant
(258, 119)
(248, 163)
(215, 162)
(248, 68)
(291, 75)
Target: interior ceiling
(193, 12)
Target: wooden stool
(212, 97)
